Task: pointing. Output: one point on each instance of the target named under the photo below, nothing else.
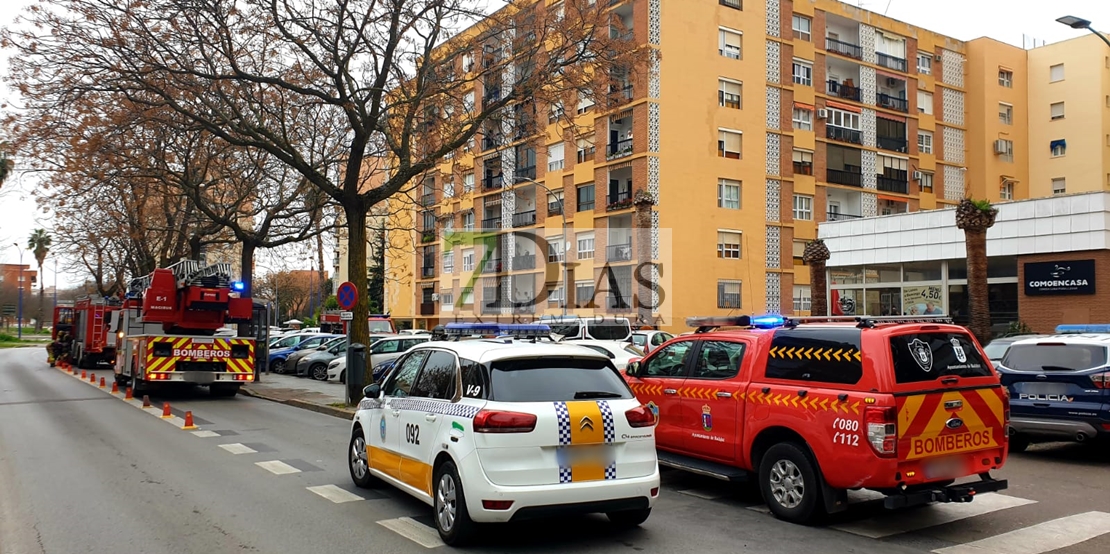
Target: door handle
(950, 380)
(430, 417)
(670, 391)
(396, 413)
(724, 395)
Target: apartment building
(757, 121)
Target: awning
(890, 117)
(839, 106)
(1059, 142)
(892, 198)
(881, 73)
(804, 106)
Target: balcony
(524, 174)
(428, 199)
(524, 262)
(620, 93)
(492, 265)
(493, 307)
(843, 135)
(427, 308)
(886, 60)
(619, 201)
(491, 181)
(554, 208)
(491, 141)
(892, 102)
(890, 184)
(843, 177)
(524, 219)
(844, 48)
(619, 149)
(586, 155)
(491, 223)
(428, 271)
(844, 91)
(837, 216)
(619, 253)
(427, 235)
(893, 144)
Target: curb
(343, 413)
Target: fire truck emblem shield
(706, 418)
(960, 354)
(922, 354)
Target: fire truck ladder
(180, 270)
(212, 276)
(98, 339)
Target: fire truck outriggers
(164, 331)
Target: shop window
(846, 275)
(921, 271)
(846, 301)
(883, 274)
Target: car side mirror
(633, 368)
(372, 391)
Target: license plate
(574, 455)
(1043, 388)
(940, 469)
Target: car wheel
(450, 514)
(1018, 443)
(358, 462)
(790, 484)
(277, 366)
(319, 372)
(343, 377)
(629, 518)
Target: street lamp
(1080, 23)
(19, 316)
(562, 212)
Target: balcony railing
(554, 208)
(843, 135)
(524, 219)
(892, 102)
(428, 271)
(427, 199)
(525, 261)
(427, 308)
(841, 177)
(491, 141)
(844, 48)
(886, 60)
(491, 223)
(491, 181)
(587, 155)
(844, 91)
(618, 253)
(492, 265)
(619, 149)
(427, 235)
(838, 216)
(521, 174)
(892, 143)
(492, 307)
(618, 201)
(889, 184)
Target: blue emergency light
(238, 286)
(471, 329)
(525, 330)
(768, 321)
(1082, 328)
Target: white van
(594, 327)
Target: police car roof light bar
(1072, 329)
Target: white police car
(504, 430)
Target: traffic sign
(346, 316)
(347, 295)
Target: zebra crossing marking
(414, 531)
(277, 467)
(897, 522)
(1042, 537)
(335, 494)
(237, 448)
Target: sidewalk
(309, 394)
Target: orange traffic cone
(128, 395)
(102, 384)
(92, 377)
(189, 422)
(166, 410)
(115, 387)
(83, 374)
(146, 401)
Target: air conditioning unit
(999, 147)
(822, 114)
(917, 176)
(891, 82)
(936, 58)
(435, 297)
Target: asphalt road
(83, 471)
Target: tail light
(641, 416)
(487, 421)
(1101, 380)
(1006, 407)
(882, 430)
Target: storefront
(1042, 261)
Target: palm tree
(815, 255)
(39, 244)
(975, 217)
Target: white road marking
(893, 523)
(205, 434)
(238, 448)
(277, 467)
(1042, 537)
(414, 531)
(174, 420)
(335, 494)
(700, 494)
(761, 508)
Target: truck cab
(811, 408)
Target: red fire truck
(164, 332)
(91, 316)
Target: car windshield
(995, 351)
(287, 342)
(332, 342)
(554, 379)
(380, 326)
(1054, 357)
(610, 330)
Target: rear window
(1055, 357)
(380, 326)
(996, 351)
(609, 330)
(929, 356)
(565, 329)
(553, 379)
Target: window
(555, 157)
(843, 119)
(728, 194)
(802, 26)
(583, 293)
(555, 295)
(803, 162)
(437, 380)
(926, 182)
(1005, 113)
(468, 102)
(400, 382)
(586, 149)
(803, 119)
(729, 144)
(1005, 149)
(924, 65)
(448, 186)
(1006, 78)
(925, 102)
(728, 244)
(729, 93)
(584, 102)
(468, 62)
(555, 249)
(467, 296)
(803, 73)
(447, 301)
(924, 142)
(448, 261)
(468, 221)
(1057, 111)
(729, 43)
(1006, 191)
(821, 371)
(468, 183)
(586, 197)
(556, 112)
(1058, 147)
(728, 294)
(1059, 186)
(669, 362)
(1056, 73)
(951, 354)
(735, 4)
(803, 301)
(586, 245)
(803, 207)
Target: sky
(1016, 22)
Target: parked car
(329, 341)
(997, 348)
(650, 340)
(315, 364)
(1059, 388)
(392, 347)
(620, 353)
(282, 349)
(337, 368)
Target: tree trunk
(978, 299)
(644, 297)
(819, 298)
(246, 275)
(38, 320)
(356, 273)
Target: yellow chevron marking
(774, 352)
(856, 355)
(823, 403)
(807, 353)
(794, 401)
(836, 354)
(826, 354)
(855, 407)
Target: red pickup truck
(813, 408)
